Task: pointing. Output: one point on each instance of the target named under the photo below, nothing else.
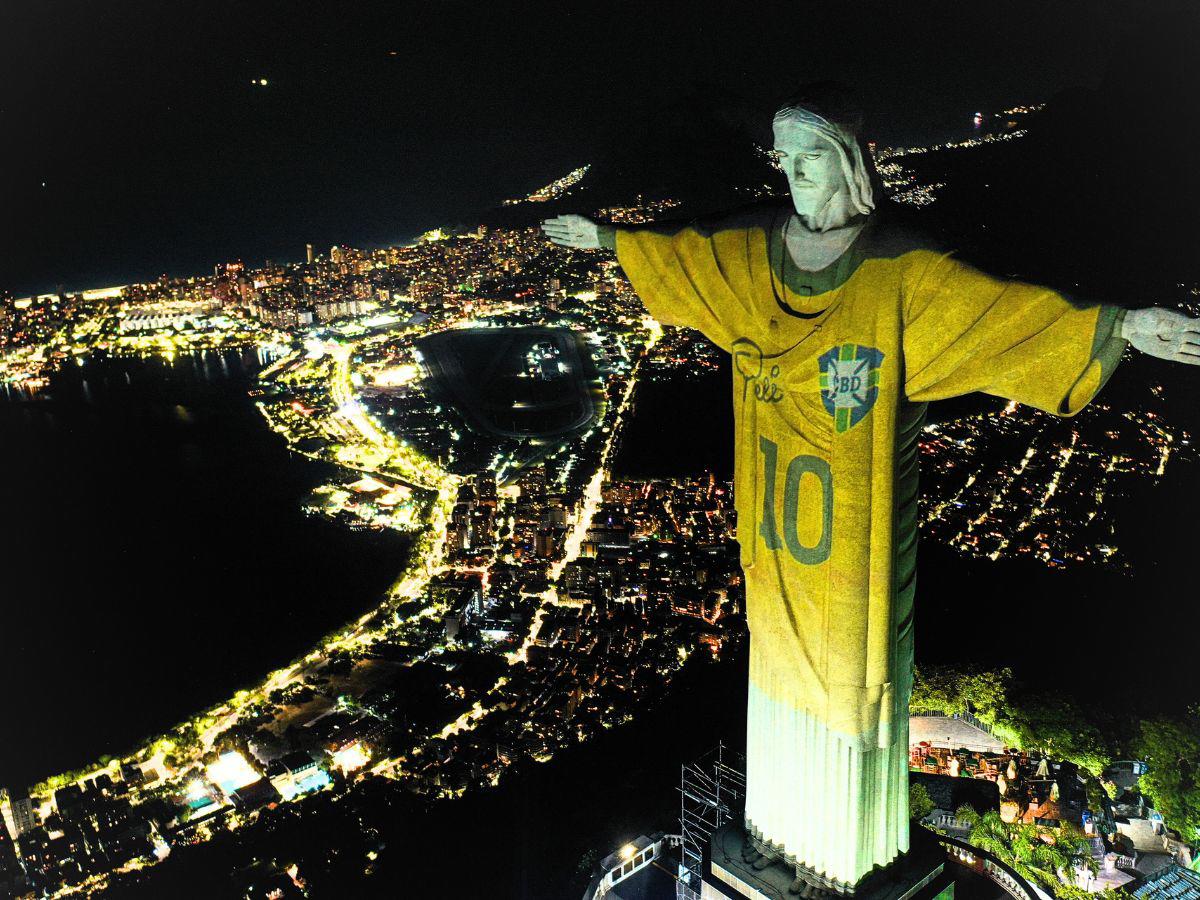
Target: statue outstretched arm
(687, 274)
(967, 331)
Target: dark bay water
(154, 556)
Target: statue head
(818, 146)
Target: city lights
(231, 771)
(540, 597)
(352, 757)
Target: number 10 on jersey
(822, 480)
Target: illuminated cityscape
(545, 600)
(465, 616)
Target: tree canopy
(1171, 747)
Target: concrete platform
(918, 875)
(943, 731)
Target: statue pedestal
(917, 875)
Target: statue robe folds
(831, 374)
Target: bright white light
(351, 757)
(398, 375)
(231, 771)
(314, 348)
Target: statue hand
(1164, 333)
(579, 232)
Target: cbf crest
(849, 383)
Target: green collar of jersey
(802, 282)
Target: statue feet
(762, 862)
(750, 850)
(808, 886)
(806, 891)
(758, 854)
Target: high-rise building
(13, 881)
(532, 481)
(544, 543)
(555, 513)
(7, 813)
(308, 253)
(463, 534)
(485, 486)
(18, 814)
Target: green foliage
(1074, 892)
(1038, 855)
(268, 741)
(1059, 728)
(952, 689)
(187, 736)
(967, 814)
(920, 804)
(1047, 722)
(1095, 791)
(54, 782)
(587, 863)
(1171, 747)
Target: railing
(1121, 861)
(949, 820)
(967, 717)
(606, 881)
(998, 871)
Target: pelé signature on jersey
(748, 362)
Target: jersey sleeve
(965, 331)
(690, 275)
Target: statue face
(812, 166)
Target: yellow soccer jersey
(831, 374)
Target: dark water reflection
(154, 555)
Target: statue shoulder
(898, 235)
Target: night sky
(137, 142)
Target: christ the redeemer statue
(842, 328)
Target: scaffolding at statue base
(712, 792)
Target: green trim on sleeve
(608, 237)
(1103, 358)
(1108, 345)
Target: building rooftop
(1172, 882)
(256, 794)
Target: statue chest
(816, 409)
